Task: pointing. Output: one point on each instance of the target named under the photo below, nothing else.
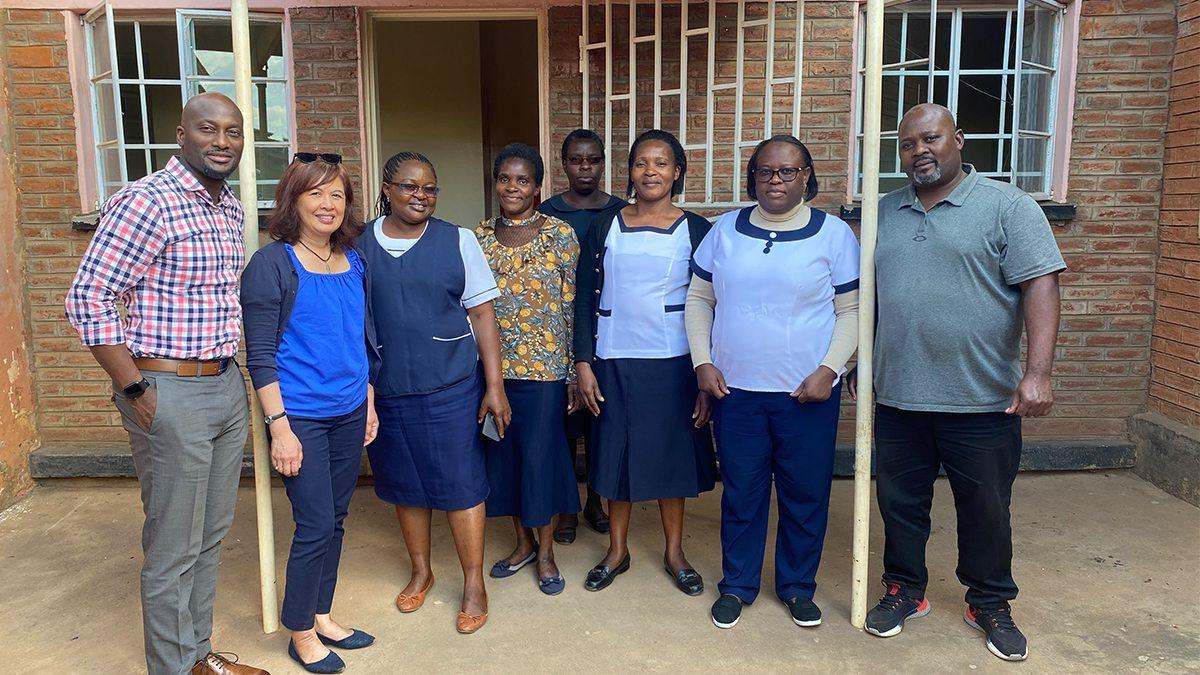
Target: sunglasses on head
(310, 157)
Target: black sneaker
(1004, 639)
(726, 611)
(804, 612)
(887, 618)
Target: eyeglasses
(787, 174)
(310, 157)
(412, 188)
(577, 160)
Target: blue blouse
(321, 361)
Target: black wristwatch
(136, 389)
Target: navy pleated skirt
(429, 452)
(529, 474)
(644, 443)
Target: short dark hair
(524, 152)
(581, 135)
(676, 150)
(810, 188)
(389, 172)
(300, 177)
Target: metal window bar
(686, 32)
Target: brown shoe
(219, 664)
(411, 603)
(469, 623)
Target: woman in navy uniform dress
(650, 433)
(432, 298)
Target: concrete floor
(1108, 567)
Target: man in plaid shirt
(170, 248)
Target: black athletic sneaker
(804, 612)
(887, 618)
(1004, 639)
(726, 611)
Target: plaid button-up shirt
(173, 257)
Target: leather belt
(182, 368)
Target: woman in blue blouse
(440, 377)
(310, 353)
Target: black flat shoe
(687, 580)
(599, 523)
(564, 535)
(601, 577)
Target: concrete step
(115, 461)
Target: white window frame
(188, 83)
(707, 146)
(1010, 129)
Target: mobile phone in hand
(489, 427)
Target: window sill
(1055, 212)
(87, 222)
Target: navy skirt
(429, 452)
(644, 443)
(529, 474)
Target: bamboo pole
(866, 313)
(247, 176)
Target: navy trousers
(320, 496)
(765, 435)
(981, 453)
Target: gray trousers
(188, 466)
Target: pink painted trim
(364, 146)
(291, 82)
(81, 97)
(1068, 67)
(852, 141)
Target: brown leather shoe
(469, 623)
(411, 603)
(220, 664)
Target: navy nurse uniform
(429, 452)
(772, 327)
(632, 287)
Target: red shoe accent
(924, 606)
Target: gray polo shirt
(949, 330)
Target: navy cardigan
(589, 275)
(269, 286)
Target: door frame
(369, 77)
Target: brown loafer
(469, 623)
(219, 664)
(411, 603)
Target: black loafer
(564, 535)
(601, 577)
(687, 580)
(599, 523)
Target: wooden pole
(866, 313)
(247, 176)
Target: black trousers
(980, 453)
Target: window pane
(941, 56)
(271, 118)
(160, 51)
(135, 163)
(916, 90)
(1040, 35)
(110, 165)
(917, 45)
(889, 161)
(982, 41)
(161, 156)
(1031, 164)
(941, 90)
(1037, 104)
(164, 103)
(889, 103)
(269, 165)
(982, 153)
(891, 37)
(213, 48)
(886, 185)
(126, 51)
(106, 112)
(979, 104)
(131, 114)
(100, 57)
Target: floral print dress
(535, 310)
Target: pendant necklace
(324, 260)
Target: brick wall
(1175, 377)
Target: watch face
(137, 388)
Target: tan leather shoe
(469, 623)
(220, 664)
(411, 603)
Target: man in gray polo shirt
(963, 262)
